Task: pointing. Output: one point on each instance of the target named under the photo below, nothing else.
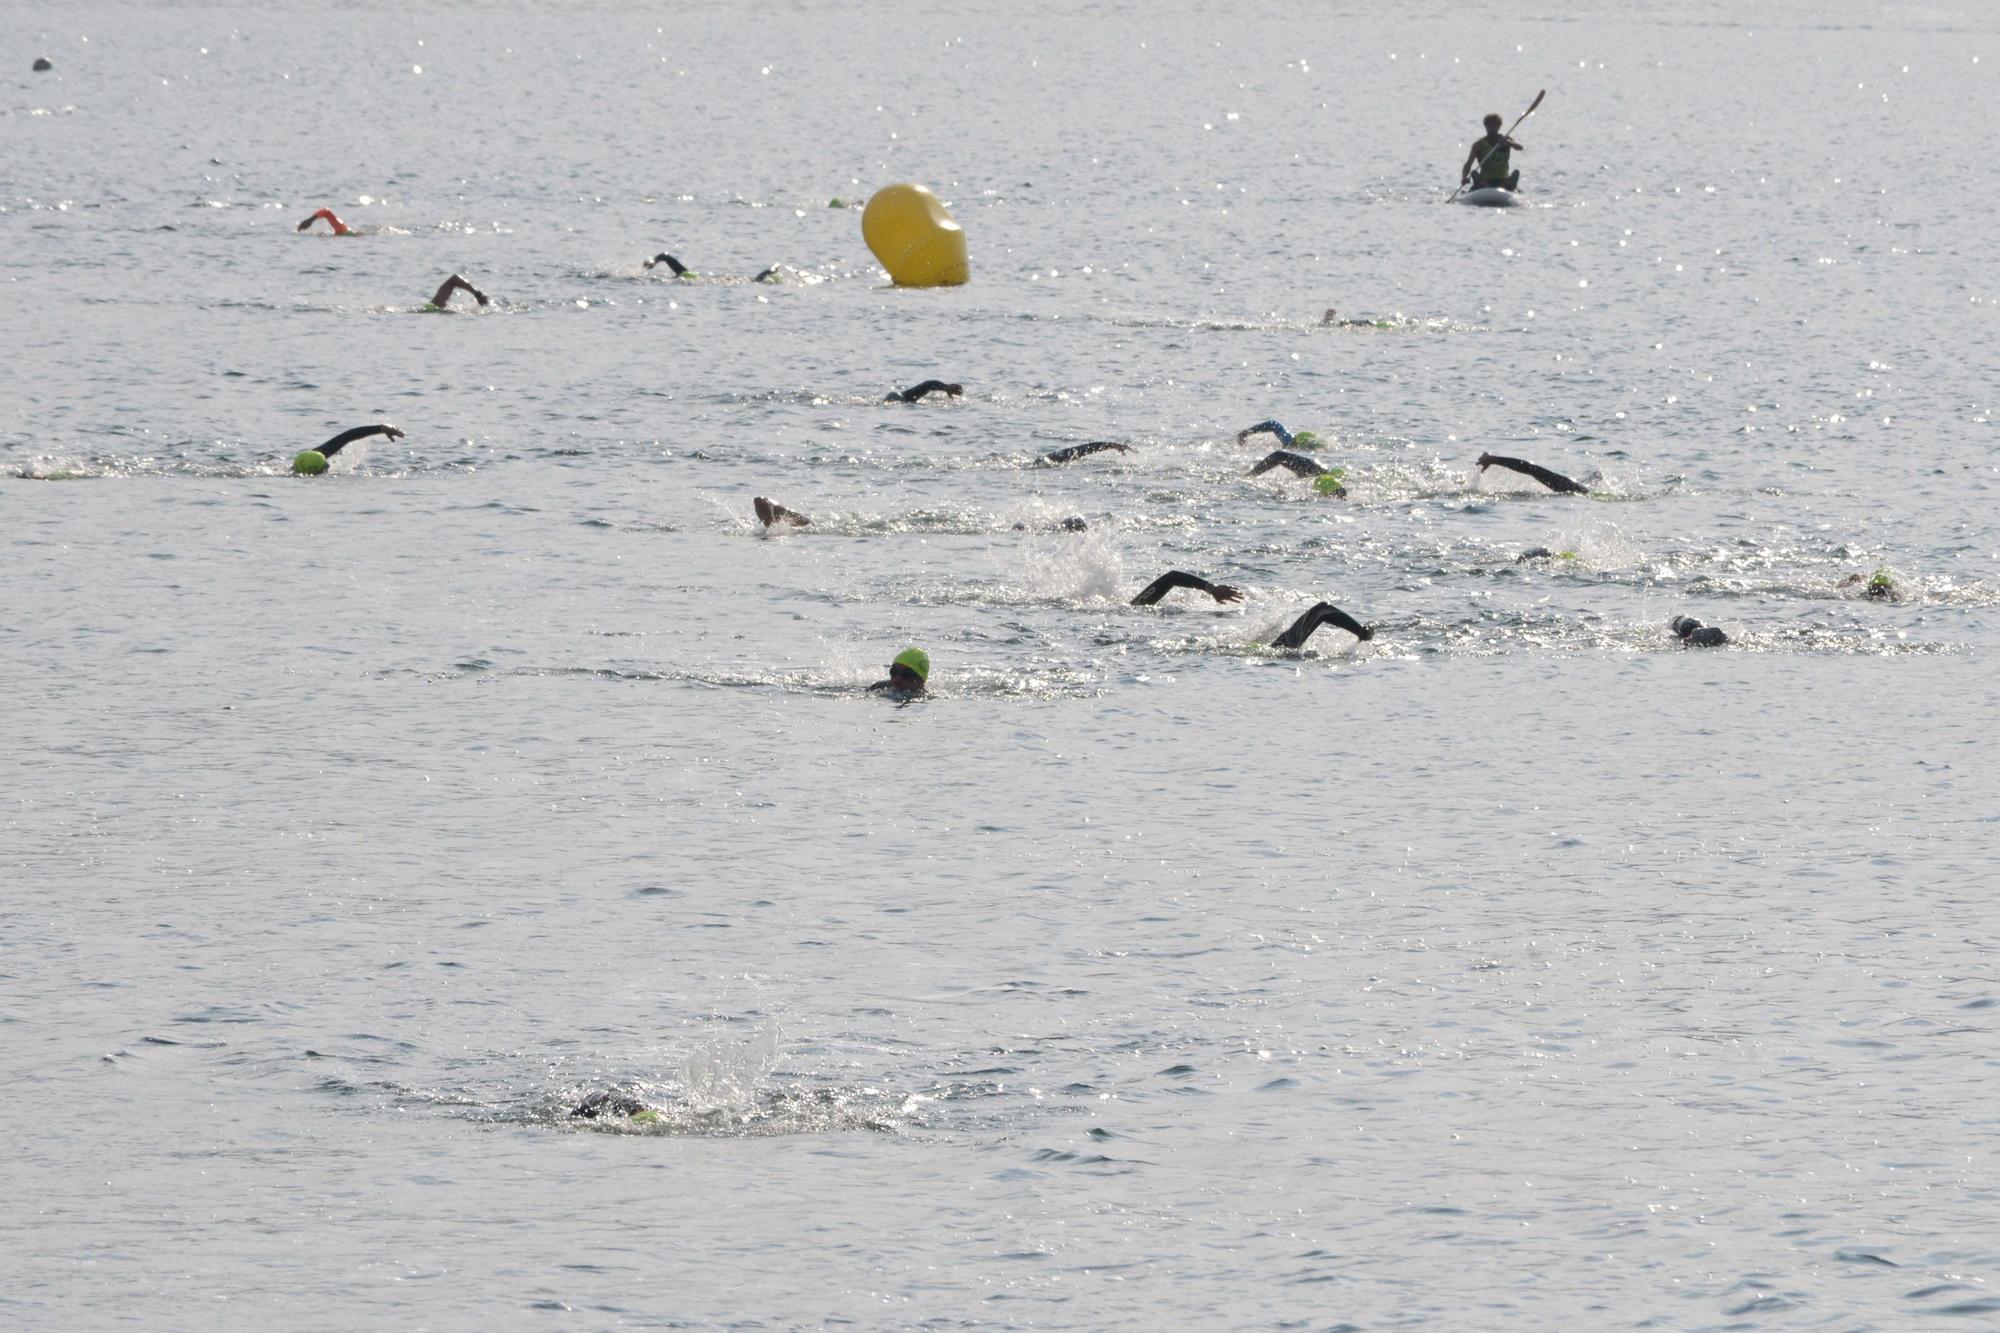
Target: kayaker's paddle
(1508, 135)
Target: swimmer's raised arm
(1297, 464)
(347, 437)
(339, 228)
(680, 269)
(1180, 578)
(917, 392)
(1555, 481)
(1321, 613)
(1284, 436)
(442, 297)
(770, 515)
(1076, 451)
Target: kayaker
(1487, 162)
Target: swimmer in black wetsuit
(1555, 481)
(917, 392)
(1321, 613)
(1694, 634)
(1076, 451)
(770, 515)
(1879, 586)
(1325, 479)
(441, 298)
(680, 270)
(1178, 578)
(604, 1105)
(1296, 464)
(312, 462)
(909, 674)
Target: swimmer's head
(1330, 316)
(1492, 123)
(1882, 585)
(310, 463)
(1328, 482)
(1306, 439)
(911, 670)
(1074, 524)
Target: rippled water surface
(1515, 968)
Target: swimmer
(770, 515)
(1305, 439)
(312, 462)
(1332, 319)
(602, 1105)
(1177, 578)
(339, 228)
(1489, 157)
(442, 296)
(1543, 553)
(1555, 481)
(680, 270)
(1321, 613)
(1879, 586)
(1325, 480)
(771, 274)
(1076, 451)
(908, 675)
(917, 392)
(1071, 524)
(1694, 634)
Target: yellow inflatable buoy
(914, 236)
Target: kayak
(1492, 196)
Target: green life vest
(1493, 167)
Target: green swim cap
(1881, 580)
(917, 660)
(1305, 439)
(645, 1117)
(1565, 555)
(1329, 483)
(310, 463)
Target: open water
(1515, 969)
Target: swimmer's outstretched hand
(1223, 592)
(392, 432)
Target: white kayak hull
(1491, 197)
